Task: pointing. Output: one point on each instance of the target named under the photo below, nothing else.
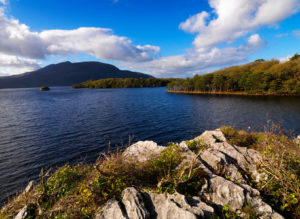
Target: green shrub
(61, 184)
(196, 145)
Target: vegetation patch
(124, 83)
(196, 145)
(281, 164)
(241, 138)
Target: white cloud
(228, 21)
(10, 65)
(285, 59)
(98, 42)
(196, 61)
(232, 19)
(17, 39)
(4, 2)
(195, 23)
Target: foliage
(123, 83)
(281, 163)
(196, 145)
(259, 77)
(60, 184)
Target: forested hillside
(259, 77)
(124, 83)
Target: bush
(196, 145)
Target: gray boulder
(142, 151)
(242, 157)
(134, 204)
(111, 210)
(175, 206)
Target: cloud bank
(228, 21)
(18, 41)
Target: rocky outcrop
(158, 206)
(229, 168)
(297, 140)
(134, 204)
(142, 151)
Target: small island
(44, 88)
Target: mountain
(67, 74)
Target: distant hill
(67, 74)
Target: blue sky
(177, 38)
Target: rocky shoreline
(226, 192)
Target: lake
(65, 125)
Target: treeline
(259, 77)
(124, 83)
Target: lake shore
(232, 93)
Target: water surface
(48, 129)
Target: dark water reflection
(43, 129)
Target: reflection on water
(43, 129)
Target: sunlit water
(48, 129)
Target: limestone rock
(240, 156)
(111, 210)
(134, 204)
(29, 187)
(142, 151)
(183, 146)
(176, 206)
(220, 191)
(22, 214)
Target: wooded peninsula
(256, 78)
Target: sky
(178, 38)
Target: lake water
(48, 129)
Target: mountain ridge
(67, 74)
